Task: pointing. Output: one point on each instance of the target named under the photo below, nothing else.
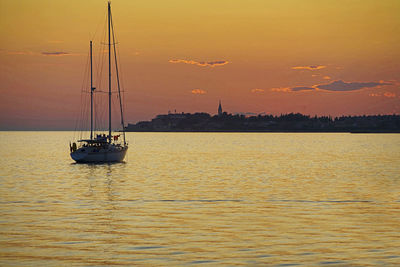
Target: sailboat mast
(119, 87)
(109, 72)
(91, 93)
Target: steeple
(219, 109)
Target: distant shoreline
(233, 131)
(286, 123)
(347, 132)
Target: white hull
(95, 155)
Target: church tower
(220, 109)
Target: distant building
(220, 109)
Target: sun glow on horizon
(316, 57)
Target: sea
(203, 199)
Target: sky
(331, 57)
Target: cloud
(339, 86)
(385, 94)
(57, 53)
(257, 90)
(302, 88)
(326, 77)
(281, 89)
(375, 94)
(198, 92)
(293, 89)
(349, 86)
(44, 53)
(312, 67)
(22, 53)
(393, 82)
(389, 94)
(201, 63)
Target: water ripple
(145, 247)
(202, 199)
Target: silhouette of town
(293, 122)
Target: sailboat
(102, 148)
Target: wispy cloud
(257, 90)
(55, 53)
(325, 77)
(199, 92)
(292, 89)
(349, 86)
(200, 63)
(389, 94)
(312, 67)
(43, 53)
(22, 53)
(281, 89)
(338, 86)
(385, 94)
(302, 88)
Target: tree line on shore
(293, 122)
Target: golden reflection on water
(203, 199)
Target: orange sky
(332, 57)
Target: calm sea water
(202, 199)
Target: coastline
(286, 123)
(253, 131)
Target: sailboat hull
(90, 155)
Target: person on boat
(73, 147)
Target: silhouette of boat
(102, 148)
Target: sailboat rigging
(102, 148)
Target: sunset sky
(331, 57)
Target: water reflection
(204, 199)
(99, 202)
